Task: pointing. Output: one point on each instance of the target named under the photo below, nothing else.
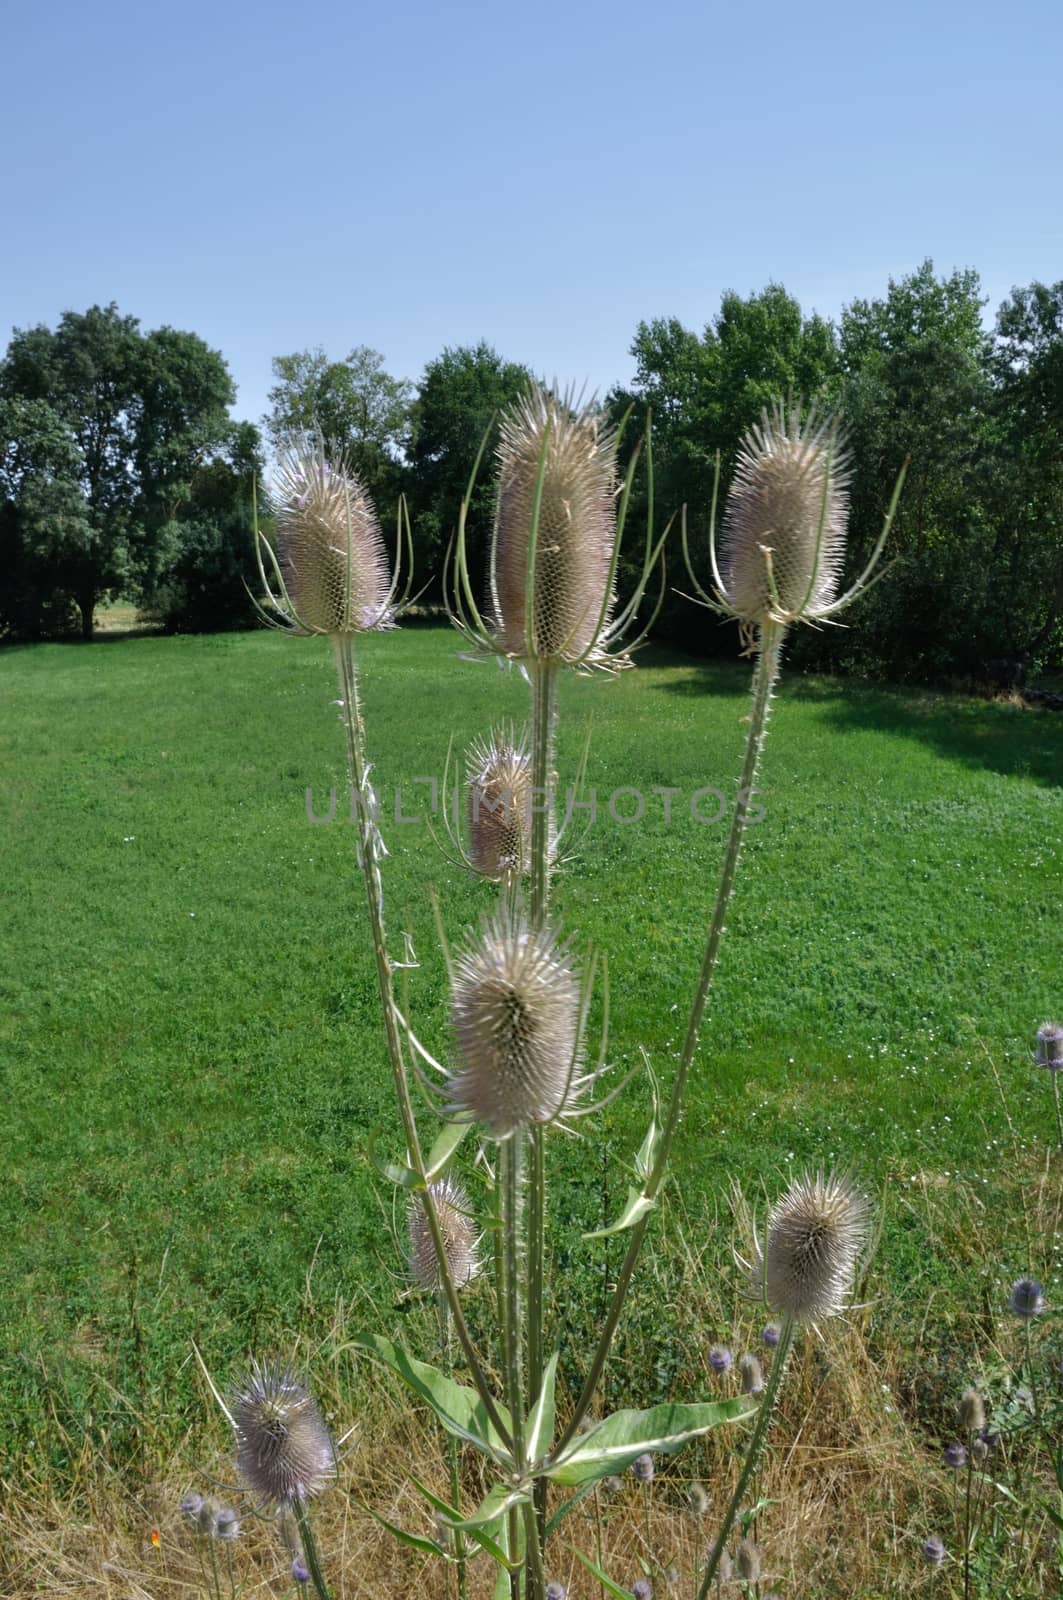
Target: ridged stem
(544, 683)
(1059, 1115)
(306, 1539)
(753, 1450)
(368, 845)
(453, 1460)
(767, 670)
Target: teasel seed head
(697, 1499)
(556, 606)
(955, 1455)
(498, 786)
(191, 1505)
(460, 1237)
(556, 1591)
(752, 1375)
(979, 1451)
(1050, 1046)
(517, 1015)
(227, 1524)
(816, 1236)
(933, 1551)
(331, 568)
(724, 1567)
(300, 1571)
(720, 1358)
(771, 1334)
(283, 1449)
(747, 1561)
(1027, 1297)
(208, 1510)
(642, 1589)
(972, 1411)
(642, 1468)
(783, 538)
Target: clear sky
(544, 176)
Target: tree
(354, 405)
(142, 411)
(458, 402)
(44, 528)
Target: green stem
(753, 1449)
(510, 1161)
(1059, 1115)
(309, 1544)
(967, 1522)
(368, 844)
(453, 1457)
(767, 670)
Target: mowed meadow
(195, 1078)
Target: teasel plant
(518, 1003)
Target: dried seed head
(720, 1358)
(724, 1567)
(283, 1448)
(329, 545)
(783, 538)
(752, 1375)
(816, 1235)
(747, 1561)
(979, 1450)
(934, 1551)
(972, 1411)
(642, 1468)
(1050, 1046)
(1027, 1297)
(697, 1499)
(558, 610)
(515, 1007)
(498, 786)
(460, 1238)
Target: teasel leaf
(606, 1582)
(484, 1537)
(616, 1442)
(502, 1498)
(637, 1206)
(459, 1408)
(540, 1425)
(396, 1172)
(444, 1148)
(413, 1541)
(574, 1500)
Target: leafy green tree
(458, 400)
(44, 529)
(142, 411)
(353, 404)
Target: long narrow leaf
(615, 1443)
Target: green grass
(192, 1055)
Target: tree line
(122, 474)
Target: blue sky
(422, 175)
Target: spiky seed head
(556, 1591)
(697, 1499)
(1027, 1298)
(933, 1551)
(783, 539)
(747, 1561)
(1050, 1046)
(460, 1237)
(752, 1375)
(642, 1589)
(816, 1235)
(724, 1567)
(558, 611)
(191, 1505)
(642, 1468)
(227, 1524)
(972, 1411)
(979, 1451)
(771, 1334)
(955, 1455)
(329, 545)
(515, 1007)
(720, 1358)
(208, 1510)
(498, 785)
(283, 1449)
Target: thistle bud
(979, 1451)
(816, 1235)
(227, 1524)
(556, 1591)
(283, 1448)
(724, 1567)
(697, 1499)
(460, 1238)
(498, 786)
(300, 1571)
(642, 1589)
(933, 1551)
(208, 1510)
(516, 1011)
(329, 547)
(972, 1411)
(642, 1468)
(752, 1375)
(720, 1358)
(747, 1561)
(784, 533)
(771, 1334)
(1026, 1298)
(1050, 1046)
(191, 1505)
(555, 606)
(955, 1456)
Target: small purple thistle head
(556, 1591)
(227, 1524)
(642, 1589)
(642, 1468)
(1027, 1297)
(1050, 1046)
(933, 1551)
(955, 1455)
(191, 1506)
(771, 1334)
(300, 1571)
(720, 1358)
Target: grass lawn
(192, 1057)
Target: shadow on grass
(1011, 740)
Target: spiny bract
(283, 1449)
